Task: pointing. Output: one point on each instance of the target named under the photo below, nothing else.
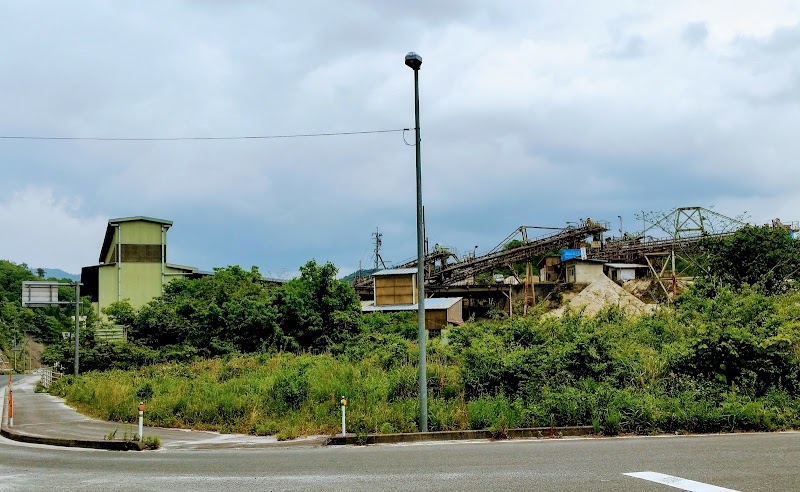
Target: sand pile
(601, 293)
(640, 287)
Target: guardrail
(49, 376)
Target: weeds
(151, 442)
(713, 364)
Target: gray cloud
(629, 47)
(695, 34)
(531, 114)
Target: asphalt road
(715, 463)
(743, 462)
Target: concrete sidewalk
(45, 419)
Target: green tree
(121, 313)
(316, 310)
(11, 278)
(230, 310)
(44, 324)
(764, 257)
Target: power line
(175, 139)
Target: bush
(151, 442)
(725, 362)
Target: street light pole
(77, 324)
(414, 61)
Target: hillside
(57, 273)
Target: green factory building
(133, 264)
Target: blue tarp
(569, 254)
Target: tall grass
(710, 365)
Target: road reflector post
(10, 403)
(344, 406)
(141, 420)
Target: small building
(133, 263)
(440, 312)
(395, 286)
(549, 268)
(578, 271)
(621, 272)
(397, 290)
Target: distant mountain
(359, 273)
(57, 273)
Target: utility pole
(643, 225)
(77, 324)
(378, 242)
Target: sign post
(45, 294)
(17, 349)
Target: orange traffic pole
(141, 420)
(10, 404)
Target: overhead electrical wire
(175, 139)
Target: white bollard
(344, 406)
(141, 420)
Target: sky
(531, 113)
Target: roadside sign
(39, 294)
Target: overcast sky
(532, 113)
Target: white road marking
(678, 482)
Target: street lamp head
(413, 60)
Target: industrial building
(397, 290)
(132, 264)
(578, 271)
(620, 272)
(549, 268)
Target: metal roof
(112, 223)
(395, 271)
(432, 303)
(140, 218)
(625, 265)
(588, 260)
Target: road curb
(72, 443)
(14, 435)
(525, 433)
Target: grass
(291, 396)
(711, 366)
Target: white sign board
(39, 294)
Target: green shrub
(151, 442)
(725, 362)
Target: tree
(121, 313)
(11, 278)
(44, 324)
(764, 257)
(227, 311)
(316, 310)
